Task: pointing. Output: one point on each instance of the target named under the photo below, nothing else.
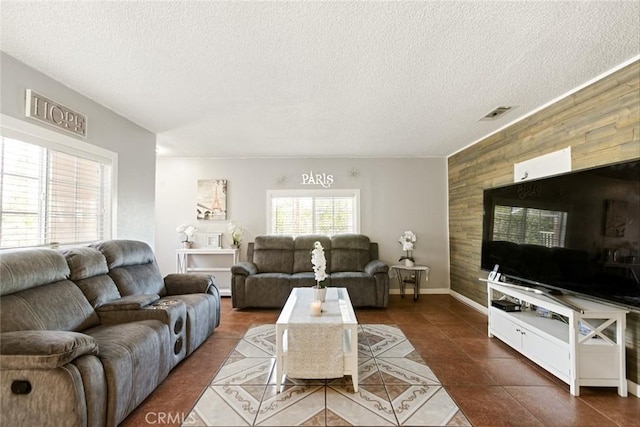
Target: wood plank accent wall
(601, 124)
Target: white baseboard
(481, 308)
(633, 388)
(443, 291)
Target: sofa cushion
(85, 262)
(132, 266)
(177, 284)
(43, 349)
(138, 279)
(361, 287)
(59, 306)
(122, 253)
(99, 290)
(349, 252)
(21, 270)
(306, 279)
(303, 245)
(88, 267)
(267, 290)
(136, 357)
(131, 302)
(273, 254)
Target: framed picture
(615, 220)
(213, 240)
(212, 199)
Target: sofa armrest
(376, 266)
(131, 302)
(43, 349)
(244, 268)
(180, 284)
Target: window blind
(49, 196)
(529, 226)
(329, 214)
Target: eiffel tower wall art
(212, 199)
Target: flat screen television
(577, 233)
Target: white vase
(408, 263)
(186, 245)
(319, 293)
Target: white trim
(481, 308)
(52, 139)
(553, 101)
(633, 388)
(11, 127)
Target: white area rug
(396, 388)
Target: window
(297, 212)
(529, 226)
(52, 194)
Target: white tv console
(596, 358)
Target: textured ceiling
(320, 79)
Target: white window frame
(355, 193)
(10, 127)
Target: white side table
(410, 276)
(217, 262)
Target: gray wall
(135, 146)
(395, 195)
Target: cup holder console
(164, 303)
(171, 305)
(178, 326)
(177, 348)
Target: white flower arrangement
(236, 231)
(407, 240)
(188, 230)
(319, 263)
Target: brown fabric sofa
(75, 351)
(277, 264)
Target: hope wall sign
(55, 114)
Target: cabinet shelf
(551, 329)
(593, 358)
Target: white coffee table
(337, 317)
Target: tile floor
(491, 384)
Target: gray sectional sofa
(87, 333)
(277, 264)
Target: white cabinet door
(506, 329)
(548, 354)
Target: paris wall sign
(322, 179)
